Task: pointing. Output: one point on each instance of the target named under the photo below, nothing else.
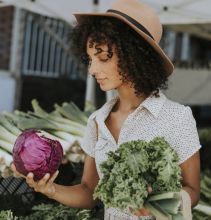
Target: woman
(120, 48)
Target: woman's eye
(103, 60)
(103, 57)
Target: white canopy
(62, 9)
(190, 87)
(191, 16)
(182, 11)
(170, 12)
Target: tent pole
(90, 96)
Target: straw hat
(142, 19)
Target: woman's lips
(100, 80)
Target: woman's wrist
(51, 193)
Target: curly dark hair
(138, 62)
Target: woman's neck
(128, 100)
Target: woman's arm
(191, 177)
(77, 196)
(81, 195)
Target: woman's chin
(106, 87)
(103, 88)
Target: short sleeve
(187, 139)
(90, 136)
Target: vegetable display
(48, 211)
(65, 124)
(57, 212)
(7, 215)
(53, 212)
(33, 152)
(203, 210)
(133, 167)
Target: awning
(191, 87)
(4, 4)
(192, 16)
(170, 12)
(61, 9)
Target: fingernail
(47, 175)
(30, 175)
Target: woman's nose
(92, 69)
(92, 73)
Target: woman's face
(104, 69)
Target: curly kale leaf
(133, 167)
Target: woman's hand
(45, 186)
(142, 211)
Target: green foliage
(205, 184)
(205, 151)
(205, 187)
(59, 212)
(205, 197)
(56, 212)
(200, 216)
(7, 215)
(133, 167)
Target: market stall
(66, 123)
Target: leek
(67, 111)
(6, 157)
(169, 203)
(58, 120)
(171, 206)
(23, 114)
(65, 145)
(41, 123)
(204, 209)
(6, 146)
(71, 107)
(167, 195)
(161, 214)
(37, 108)
(178, 216)
(63, 121)
(14, 118)
(6, 135)
(9, 125)
(207, 180)
(75, 158)
(38, 111)
(65, 136)
(157, 211)
(76, 149)
(38, 123)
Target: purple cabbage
(35, 153)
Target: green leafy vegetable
(58, 212)
(7, 215)
(133, 167)
(203, 210)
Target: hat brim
(168, 65)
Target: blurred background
(36, 63)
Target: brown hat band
(131, 20)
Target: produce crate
(16, 186)
(16, 195)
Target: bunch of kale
(132, 168)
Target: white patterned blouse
(153, 117)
